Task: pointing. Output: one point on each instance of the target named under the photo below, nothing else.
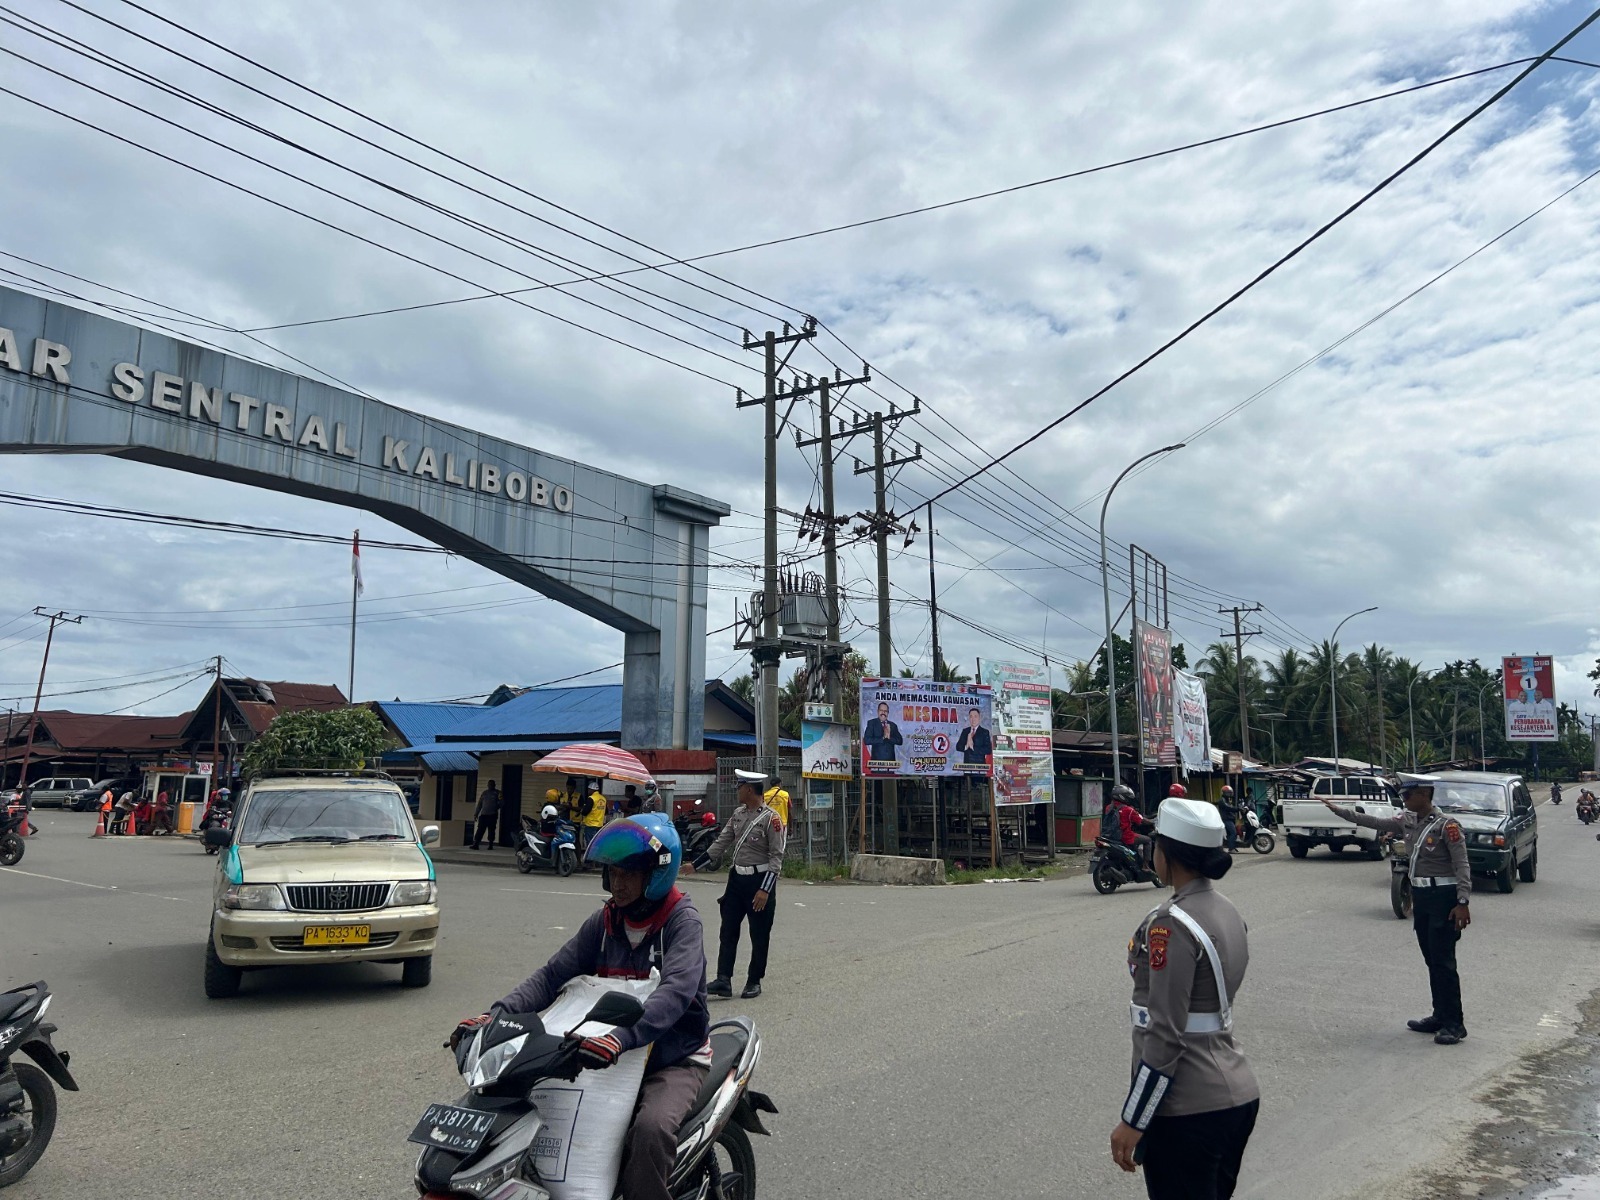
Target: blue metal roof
(502, 746)
(594, 711)
(729, 737)
(422, 722)
(439, 764)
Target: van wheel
(222, 981)
(1298, 848)
(416, 972)
(1529, 870)
(1506, 878)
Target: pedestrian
(1441, 890)
(652, 797)
(488, 812)
(141, 815)
(123, 811)
(106, 802)
(1194, 1099)
(593, 810)
(752, 841)
(1229, 808)
(777, 799)
(575, 795)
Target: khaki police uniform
(1441, 878)
(1193, 1095)
(755, 838)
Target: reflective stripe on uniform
(1206, 944)
(1198, 1022)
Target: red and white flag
(355, 562)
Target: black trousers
(1437, 935)
(1197, 1157)
(735, 905)
(485, 826)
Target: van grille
(337, 897)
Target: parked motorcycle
(1112, 864)
(558, 851)
(1399, 877)
(483, 1144)
(27, 1101)
(1262, 840)
(12, 845)
(701, 836)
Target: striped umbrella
(592, 760)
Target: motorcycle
(1399, 877)
(217, 818)
(1555, 793)
(27, 1101)
(558, 851)
(1588, 809)
(700, 839)
(484, 1143)
(1262, 840)
(12, 846)
(1112, 864)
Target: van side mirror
(430, 835)
(219, 837)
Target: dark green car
(1496, 814)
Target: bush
(340, 740)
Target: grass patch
(1015, 871)
(815, 873)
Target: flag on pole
(355, 562)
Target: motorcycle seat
(728, 1044)
(10, 1002)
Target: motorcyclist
(221, 803)
(1125, 825)
(1229, 808)
(1555, 792)
(550, 815)
(648, 923)
(1178, 791)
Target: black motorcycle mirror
(616, 1008)
(219, 837)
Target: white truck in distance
(1307, 822)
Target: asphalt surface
(920, 1042)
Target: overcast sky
(1438, 464)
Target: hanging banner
(1024, 762)
(1193, 732)
(1530, 692)
(1152, 648)
(919, 727)
(825, 751)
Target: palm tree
(1222, 674)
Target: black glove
(597, 1053)
(466, 1029)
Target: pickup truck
(1307, 821)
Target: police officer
(1441, 889)
(753, 839)
(1193, 1101)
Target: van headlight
(253, 896)
(414, 891)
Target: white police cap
(751, 776)
(1409, 782)
(1196, 822)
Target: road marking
(99, 887)
(1551, 1021)
(542, 892)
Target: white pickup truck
(1307, 821)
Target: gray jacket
(489, 802)
(1177, 1072)
(1438, 847)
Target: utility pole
(933, 601)
(56, 618)
(1239, 635)
(216, 730)
(768, 648)
(881, 523)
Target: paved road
(929, 1043)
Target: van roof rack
(321, 773)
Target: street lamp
(1411, 715)
(1105, 592)
(1333, 683)
(1272, 730)
(1483, 757)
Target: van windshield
(1470, 797)
(325, 815)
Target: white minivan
(1307, 822)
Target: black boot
(720, 987)
(1449, 1035)
(752, 989)
(1425, 1025)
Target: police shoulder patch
(1452, 830)
(1158, 946)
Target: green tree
(340, 739)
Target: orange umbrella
(593, 760)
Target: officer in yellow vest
(776, 798)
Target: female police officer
(1193, 1101)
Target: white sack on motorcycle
(578, 1153)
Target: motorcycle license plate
(459, 1130)
(337, 935)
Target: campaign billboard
(1193, 724)
(1152, 648)
(916, 727)
(1530, 694)
(825, 751)
(1024, 761)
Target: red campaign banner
(1152, 648)
(1530, 692)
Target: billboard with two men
(916, 727)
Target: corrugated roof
(452, 761)
(95, 731)
(419, 722)
(501, 746)
(594, 711)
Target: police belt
(745, 870)
(1198, 1022)
(1435, 881)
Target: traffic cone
(100, 825)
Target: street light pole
(1411, 716)
(1272, 719)
(1105, 593)
(1483, 755)
(1333, 684)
